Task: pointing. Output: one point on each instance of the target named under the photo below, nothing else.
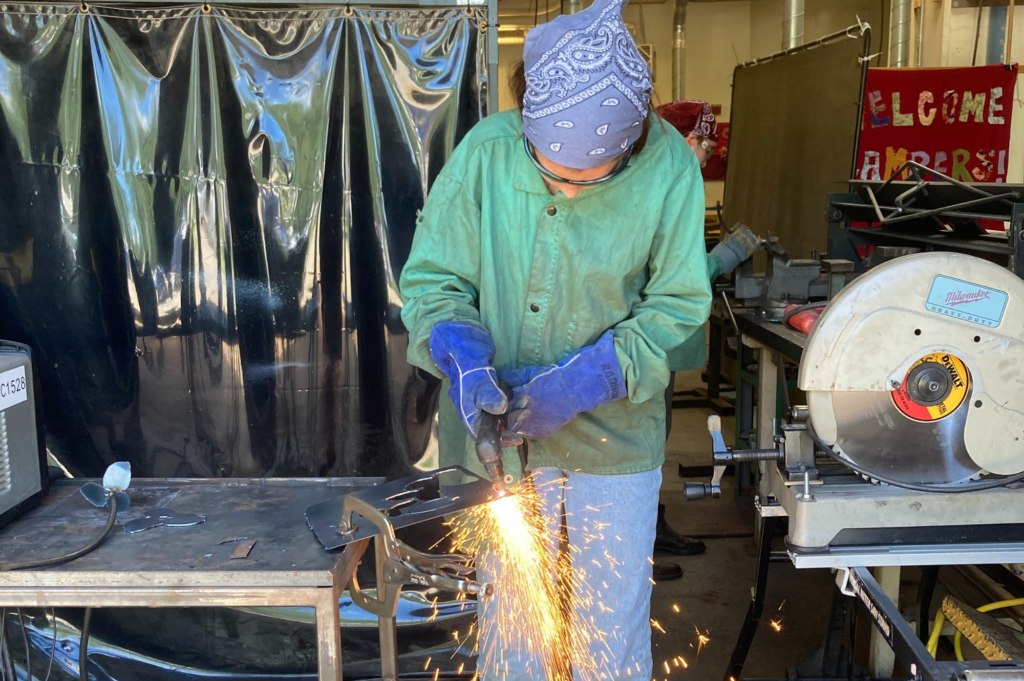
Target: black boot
(666, 571)
(671, 542)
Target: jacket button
(535, 308)
(551, 211)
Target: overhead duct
(792, 24)
(899, 36)
(679, 51)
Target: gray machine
(23, 477)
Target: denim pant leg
(493, 663)
(611, 520)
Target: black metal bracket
(910, 651)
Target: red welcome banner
(955, 121)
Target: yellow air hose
(958, 637)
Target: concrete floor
(715, 590)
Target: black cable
(46, 562)
(936, 489)
(802, 308)
(6, 661)
(83, 647)
(24, 639)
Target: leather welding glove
(464, 353)
(736, 248)
(546, 398)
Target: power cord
(47, 562)
(936, 489)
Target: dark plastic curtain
(203, 217)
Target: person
(696, 123)
(561, 248)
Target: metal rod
(845, 33)
(1009, 31)
(864, 61)
(899, 34)
(388, 625)
(750, 624)
(792, 24)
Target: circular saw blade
(877, 436)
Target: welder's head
(587, 87)
(694, 121)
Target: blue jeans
(611, 523)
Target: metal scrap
(166, 517)
(243, 549)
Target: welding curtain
(203, 217)
(791, 141)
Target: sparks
(541, 605)
(777, 625)
(668, 670)
(437, 673)
(427, 665)
(782, 605)
(702, 639)
(675, 607)
(657, 625)
(683, 660)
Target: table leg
(388, 626)
(328, 634)
(881, 658)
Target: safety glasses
(579, 183)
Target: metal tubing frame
(898, 633)
(753, 619)
(323, 599)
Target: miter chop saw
(914, 377)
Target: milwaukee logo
(962, 297)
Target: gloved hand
(464, 352)
(737, 247)
(546, 398)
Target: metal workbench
(188, 566)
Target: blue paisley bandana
(587, 87)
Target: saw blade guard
(924, 351)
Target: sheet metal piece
(197, 242)
(243, 550)
(405, 502)
(163, 517)
(876, 435)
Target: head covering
(587, 87)
(690, 115)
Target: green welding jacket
(547, 275)
(693, 353)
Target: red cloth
(690, 115)
(804, 321)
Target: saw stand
(839, 521)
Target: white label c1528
(13, 388)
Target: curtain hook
(206, 8)
(349, 11)
(84, 7)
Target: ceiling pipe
(679, 51)
(920, 36)
(792, 24)
(899, 36)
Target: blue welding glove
(464, 352)
(546, 398)
(737, 247)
